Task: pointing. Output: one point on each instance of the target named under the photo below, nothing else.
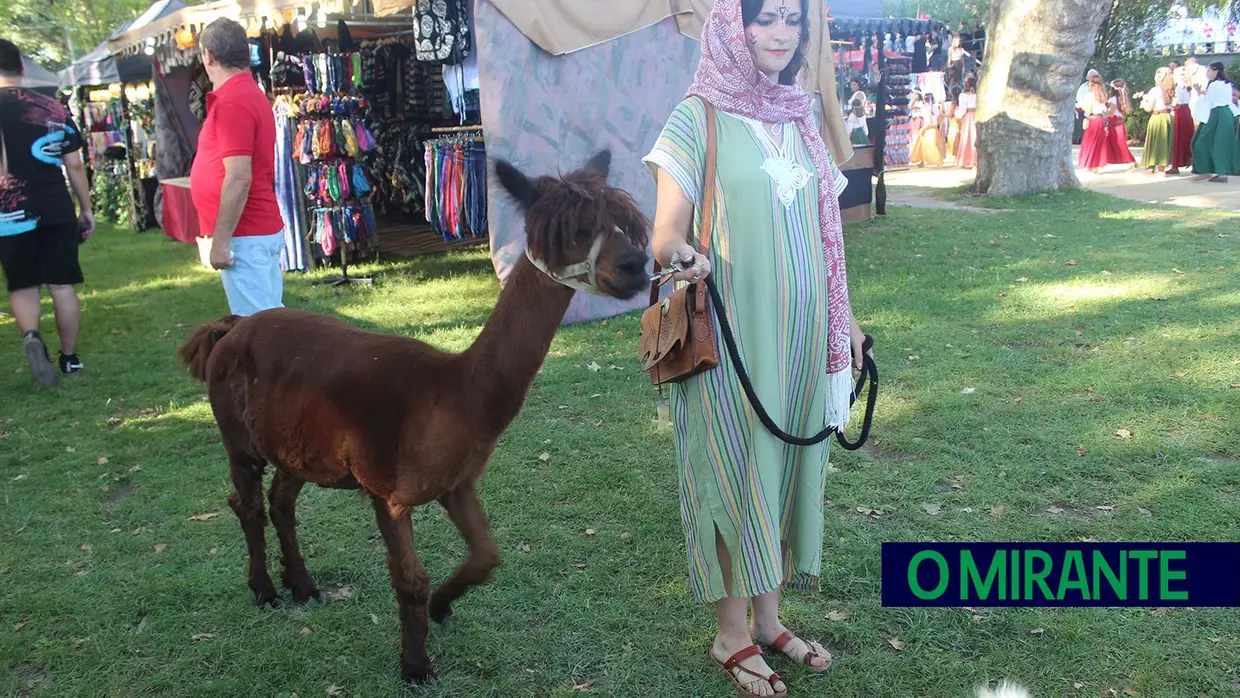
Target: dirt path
(918, 187)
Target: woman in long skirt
(1214, 146)
(1182, 123)
(1158, 101)
(1119, 106)
(953, 126)
(967, 150)
(926, 141)
(1093, 155)
(751, 505)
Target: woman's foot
(751, 673)
(1218, 178)
(810, 655)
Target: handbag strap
(708, 198)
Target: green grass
(1070, 317)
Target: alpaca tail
(196, 348)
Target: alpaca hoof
(268, 598)
(441, 613)
(418, 674)
(311, 596)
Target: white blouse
(968, 100)
(1218, 94)
(1154, 100)
(1182, 95)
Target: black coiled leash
(869, 370)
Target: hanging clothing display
(456, 198)
(288, 183)
(441, 31)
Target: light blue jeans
(254, 281)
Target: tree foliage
(972, 13)
(44, 29)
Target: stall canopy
(100, 68)
(36, 77)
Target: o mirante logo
(1061, 574)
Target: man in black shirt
(39, 230)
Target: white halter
(571, 275)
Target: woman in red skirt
(1093, 155)
(1183, 126)
(1119, 106)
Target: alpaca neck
(502, 363)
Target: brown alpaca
(407, 424)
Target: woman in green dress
(1158, 101)
(1214, 146)
(751, 505)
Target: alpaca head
(580, 231)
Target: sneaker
(70, 365)
(40, 363)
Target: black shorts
(46, 255)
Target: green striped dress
(763, 497)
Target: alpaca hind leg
(412, 586)
(283, 498)
(247, 503)
(466, 512)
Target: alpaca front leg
(284, 491)
(412, 586)
(466, 512)
(247, 503)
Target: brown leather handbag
(678, 333)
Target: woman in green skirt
(1214, 146)
(1158, 101)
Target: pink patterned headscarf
(728, 79)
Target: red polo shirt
(239, 122)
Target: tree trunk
(1035, 55)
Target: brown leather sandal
(734, 662)
(782, 641)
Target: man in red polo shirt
(232, 181)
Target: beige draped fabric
(564, 26)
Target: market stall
(330, 73)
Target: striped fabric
(763, 497)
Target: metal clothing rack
(344, 279)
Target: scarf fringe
(839, 393)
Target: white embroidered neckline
(789, 175)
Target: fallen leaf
(626, 535)
(594, 367)
(19, 625)
(1023, 279)
(306, 631)
(159, 547)
(590, 532)
(20, 477)
(523, 547)
(966, 510)
(1054, 509)
(135, 469)
(997, 511)
(85, 548)
(201, 637)
(204, 517)
(115, 530)
(1078, 685)
(105, 488)
(896, 643)
(968, 391)
(1070, 263)
(580, 566)
(342, 594)
(1080, 449)
(1124, 434)
(1038, 631)
(374, 619)
(837, 616)
(1105, 507)
(102, 461)
(596, 395)
(77, 644)
(142, 625)
(1143, 511)
(1160, 612)
(1131, 692)
(1178, 272)
(1215, 640)
(580, 686)
(334, 691)
(544, 457)
(213, 550)
(932, 509)
(70, 449)
(1019, 399)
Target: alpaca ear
(518, 185)
(600, 163)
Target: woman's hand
(696, 266)
(858, 342)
